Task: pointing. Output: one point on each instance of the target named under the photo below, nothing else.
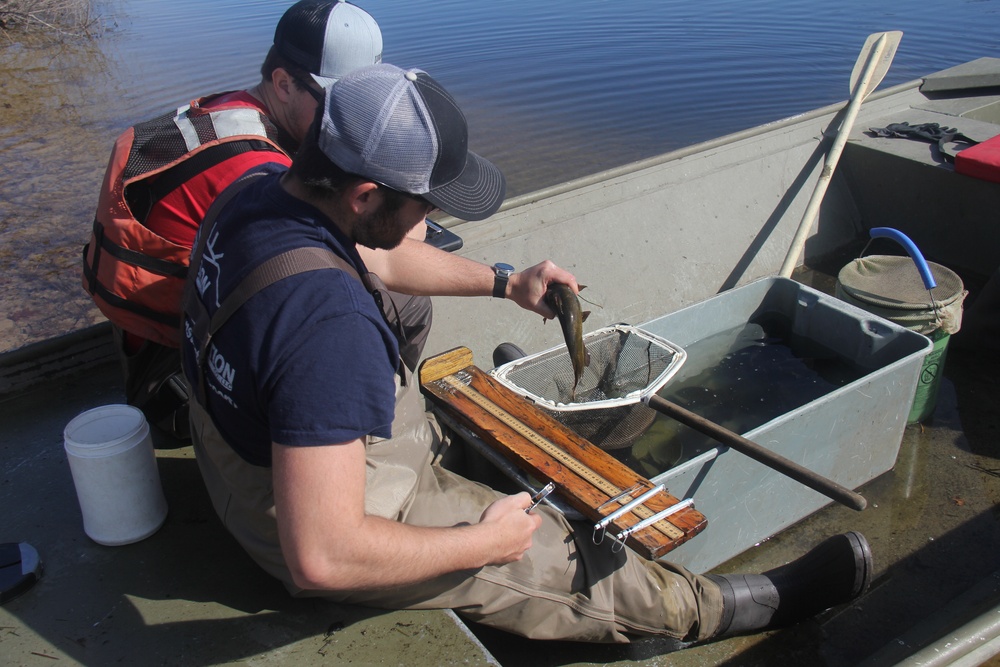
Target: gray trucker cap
(402, 129)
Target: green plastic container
(925, 398)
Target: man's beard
(381, 229)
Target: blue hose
(911, 249)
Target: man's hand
(330, 543)
(511, 527)
(527, 288)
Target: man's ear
(282, 83)
(364, 197)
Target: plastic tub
(114, 471)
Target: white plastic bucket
(111, 456)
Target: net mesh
(625, 364)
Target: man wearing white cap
(164, 174)
(312, 437)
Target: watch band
(501, 273)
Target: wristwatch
(501, 274)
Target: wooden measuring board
(587, 477)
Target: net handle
(814, 481)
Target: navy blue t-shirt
(308, 360)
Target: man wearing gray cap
(164, 174)
(312, 437)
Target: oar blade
(888, 52)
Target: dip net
(626, 364)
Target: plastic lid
(894, 282)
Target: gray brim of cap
(323, 81)
(475, 195)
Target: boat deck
(189, 596)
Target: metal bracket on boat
(673, 509)
(600, 528)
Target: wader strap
(375, 286)
(279, 267)
(285, 265)
(290, 263)
(191, 303)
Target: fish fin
(584, 315)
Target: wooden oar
(804, 476)
(872, 64)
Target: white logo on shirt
(203, 282)
(223, 372)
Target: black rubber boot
(506, 352)
(837, 571)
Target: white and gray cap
(328, 38)
(402, 129)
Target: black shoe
(837, 571)
(20, 568)
(506, 352)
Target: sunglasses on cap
(316, 94)
(417, 198)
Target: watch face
(500, 267)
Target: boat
(651, 240)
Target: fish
(566, 305)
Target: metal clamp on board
(645, 523)
(601, 527)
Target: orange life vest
(135, 276)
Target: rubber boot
(506, 352)
(837, 571)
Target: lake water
(553, 90)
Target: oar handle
(858, 94)
(804, 476)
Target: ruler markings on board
(555, 451)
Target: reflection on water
(553, 91)
(54, 142)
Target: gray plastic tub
(850, 435)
